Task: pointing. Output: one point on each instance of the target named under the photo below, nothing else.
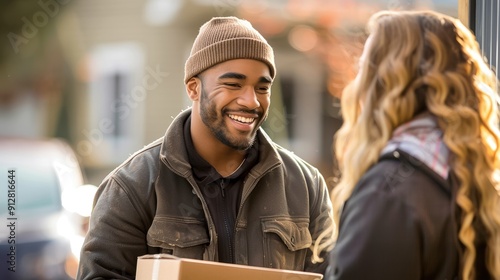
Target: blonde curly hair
(416, 61)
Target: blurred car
(44, 207)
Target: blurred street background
(106, 77)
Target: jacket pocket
(185, 238)
(286, 241)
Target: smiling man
(215, 187)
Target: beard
(217, 125)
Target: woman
(419, 156)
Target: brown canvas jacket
(152, 204)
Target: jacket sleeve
(379, 236)
(320, 220)
(116, 237)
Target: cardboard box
(167, 267)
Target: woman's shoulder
(398, 173)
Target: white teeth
(242, 119)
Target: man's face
(234, 101)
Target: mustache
(245, 111)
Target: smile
(242, 119)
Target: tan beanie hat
(226, 38)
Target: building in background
(483, 18)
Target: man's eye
(263, 89)
(232, 85)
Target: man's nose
(248, 98)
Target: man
(215, 187)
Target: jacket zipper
(225, 218)
(222, 188)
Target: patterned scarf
(423, 139)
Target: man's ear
(193, 88)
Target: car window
(37, 191)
